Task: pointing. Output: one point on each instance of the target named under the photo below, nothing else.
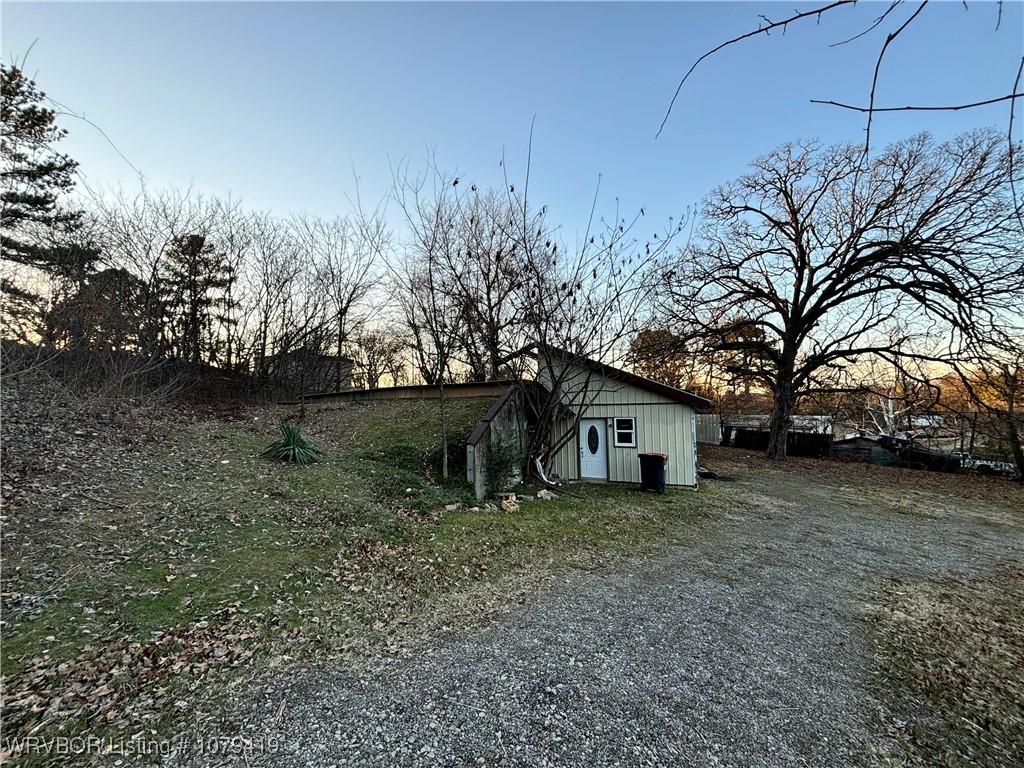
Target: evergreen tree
(103, 312)
(34, 228)
(196, 286)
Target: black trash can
(652, 471)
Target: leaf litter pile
(121, 679)
(950, 659)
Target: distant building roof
(819, 424)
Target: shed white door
(593, 449)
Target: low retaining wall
(417, 391)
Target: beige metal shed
(620, 415)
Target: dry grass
(950, 658)
(995, 490)
(949, 651)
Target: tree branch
(912, 108)
(878, 65)
(759, 31)
(878, 21)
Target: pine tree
(34, 228)
(196, 286)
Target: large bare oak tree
(831, 257)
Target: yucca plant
(293, 446)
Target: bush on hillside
(293, 446)
(503, 464)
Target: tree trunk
(341, 344)
(1012, 433)
(781, 418)
(444, 438)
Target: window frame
(615, 432)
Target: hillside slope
(150, 553)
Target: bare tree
(425, 288)
(893, 392)
(268, 284)
(188, 278)
(138, 233)
(486, 272)
(304, 337)
(825, 255)
(992, 374)
(234, 238)
(577, 303)
(894, 21)
(489, 289)
(344, 255)
(379, 353)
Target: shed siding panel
(663, 425)
(596, 389)
(565, 464)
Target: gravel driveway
(745, 648)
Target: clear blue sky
(275, 102)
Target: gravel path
(743, 649)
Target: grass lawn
(193, 555)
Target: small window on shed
(625, 433)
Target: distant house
(307, 370)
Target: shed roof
(642, 382)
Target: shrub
(503, 464)
(293, 446)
